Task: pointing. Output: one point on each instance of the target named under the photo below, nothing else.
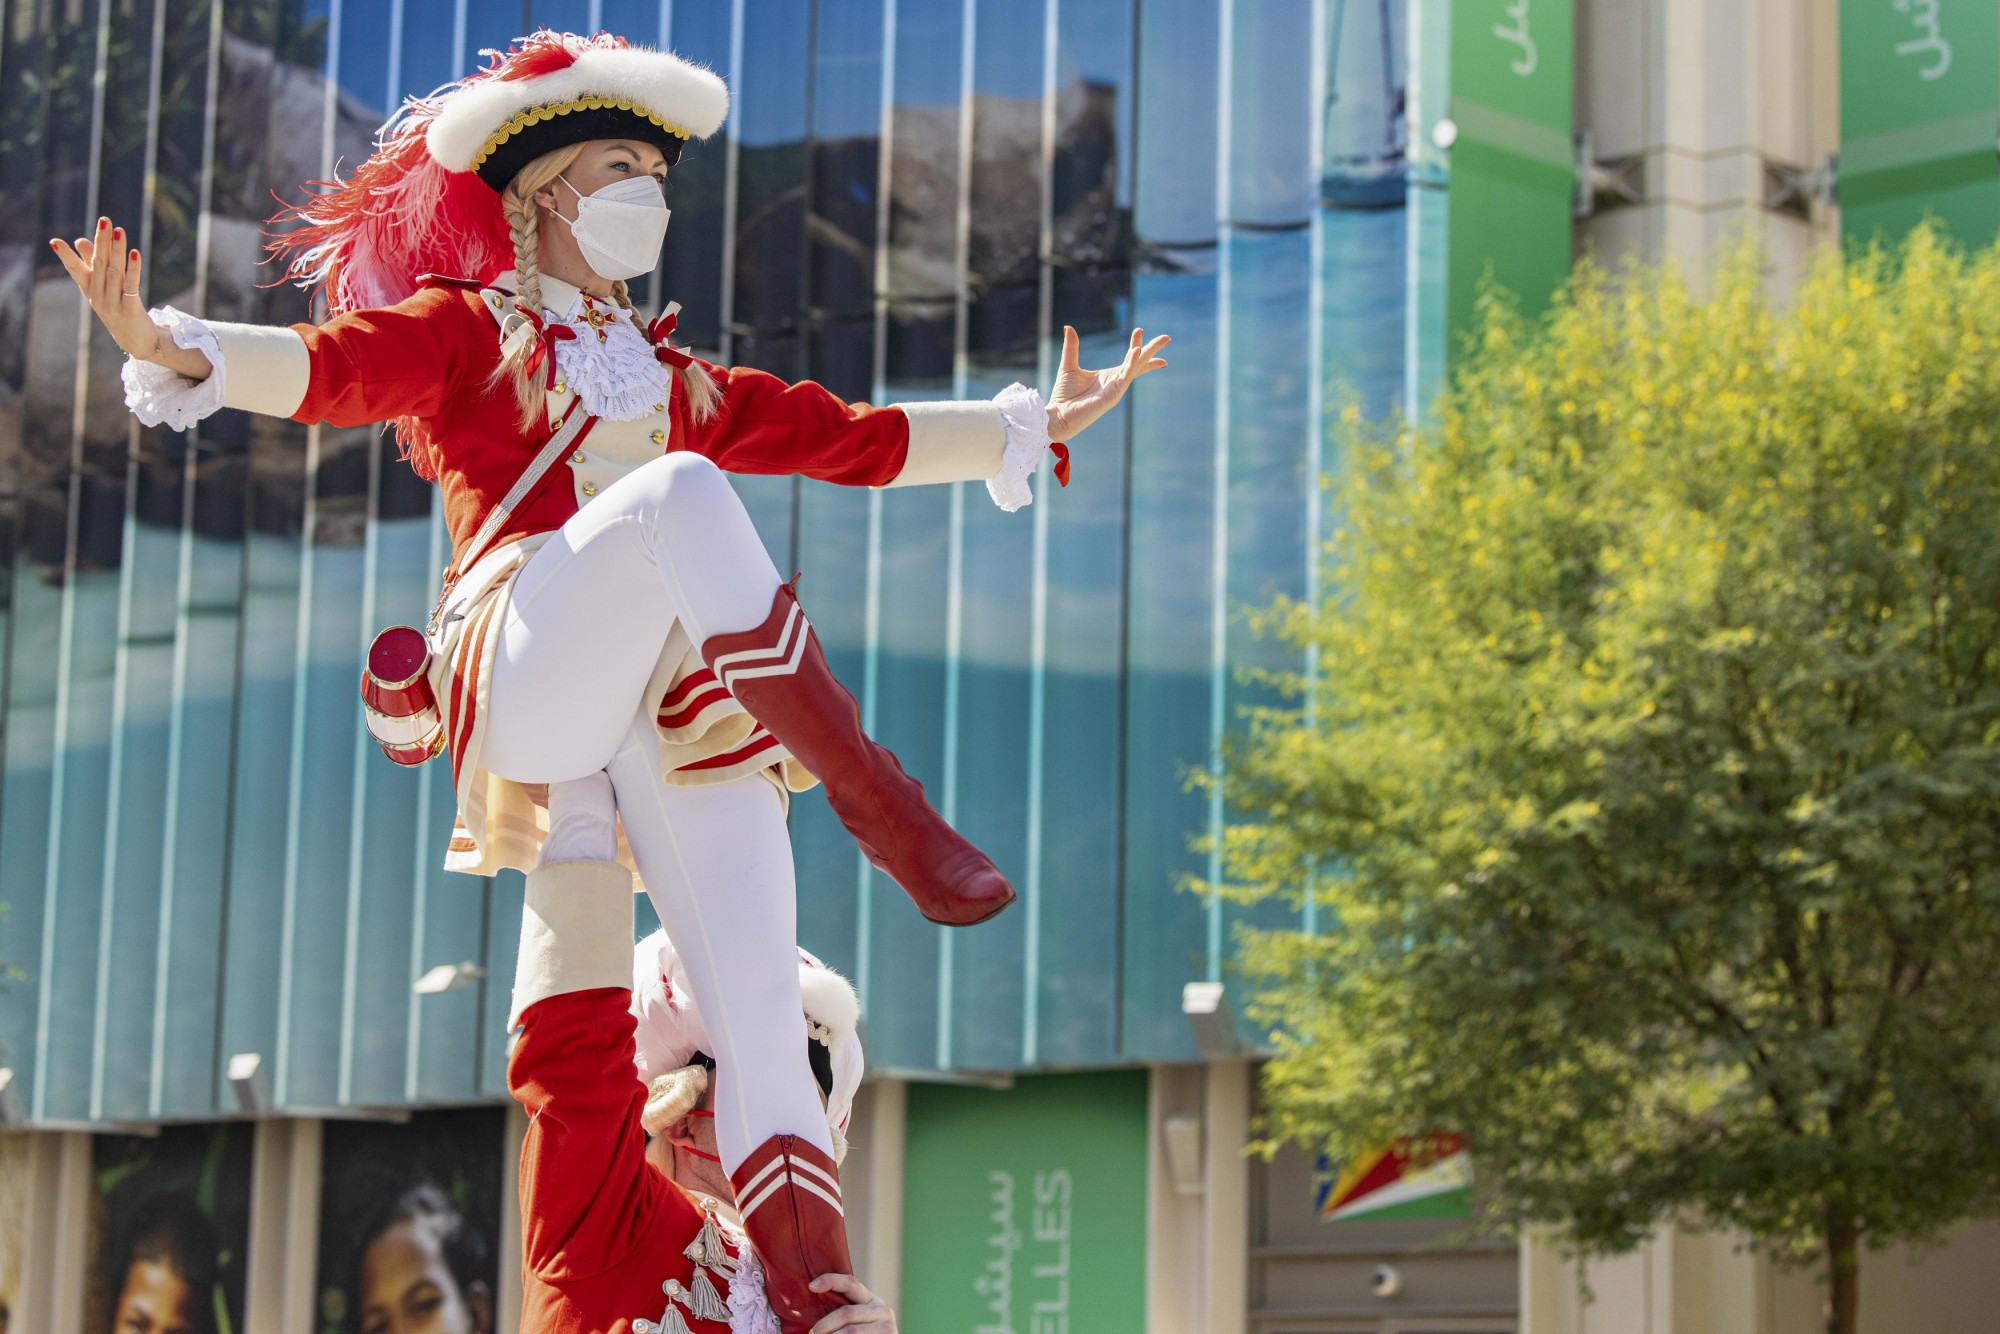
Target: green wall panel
(1513, 174)
(1920, 116)
(1025, 1208)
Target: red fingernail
(117, 233)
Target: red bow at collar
(547, 335)
(658, 332)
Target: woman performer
(619, 630)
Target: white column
(1227, 1173)
(1198, 1199)
(872, 1179)
(284, 1225)
(1174, 1195)
(55, 1262)
(1711, 96)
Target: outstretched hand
(107, 273)
(1082, 396)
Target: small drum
(396, 696)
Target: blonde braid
(703, 398)
(524, 221)
(524, 224)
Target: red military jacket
(432, 358)
(602, 1231)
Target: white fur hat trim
(675, 94)
(670, 1027)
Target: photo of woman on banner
(409, 1218)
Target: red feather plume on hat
(364, 242)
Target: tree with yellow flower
(1650, 767)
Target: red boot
(788, 1195)
(779, 674)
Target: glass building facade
(201, 852)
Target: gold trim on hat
(536, 115)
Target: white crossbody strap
(573, 423)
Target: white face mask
(620, 228)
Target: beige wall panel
(1175, 1222)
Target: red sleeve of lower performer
(767, 426)
(405, 360)
(588, 1196)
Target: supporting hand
(1082, 396)
(864, 1310)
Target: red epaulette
(441, 280)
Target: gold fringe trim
(536, 115)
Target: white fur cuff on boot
(576, 932)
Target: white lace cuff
(1027, 423)
(158, 396)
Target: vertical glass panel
(772, 184)
(924, 159)
(381, 896)
(364, 50)
(327, 737)
(1174, 189)
(1082, 727)
(1271, 172)
(78, 538)
(1170, 556)
(269, 463)
(834, 522)
(423, 60)
(1090, 186)
(488, 27)
(637, 21)
(1076, 952)
(761, 317)
(37, 303)
(202, 480)
(140, 581)
(316, 944)
(997, 592)
(905, 693)
(562, 15)
(453, 924)
(691, 267)
(846, 161)
(1361, 282)
(1267, 280)
(1365, 130)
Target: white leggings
(587, 619)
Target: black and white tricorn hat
(554, 89)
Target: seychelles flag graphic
(1391, 1183)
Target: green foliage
(1650, 771)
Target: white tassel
(671, 1321)
(705, 1302)
(708, 1250)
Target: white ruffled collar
(609, 364)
